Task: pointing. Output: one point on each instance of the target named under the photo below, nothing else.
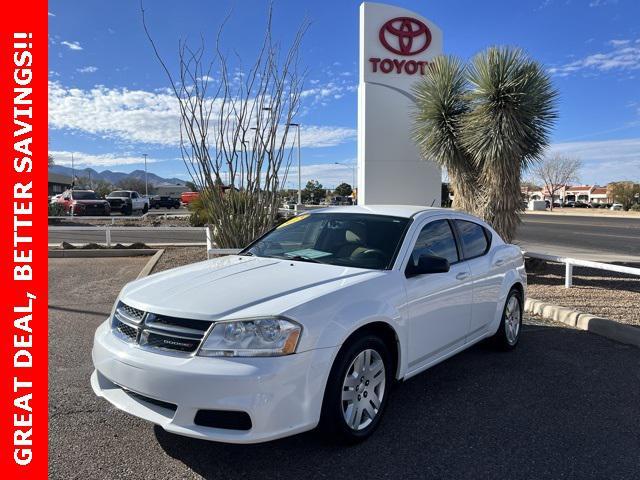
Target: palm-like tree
(485, 124)
(441, 102)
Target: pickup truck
(126, 201)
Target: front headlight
(254, 337)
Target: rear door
(486, 274)
(439, 305)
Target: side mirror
(427, 264)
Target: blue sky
(107, 98)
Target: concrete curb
(619, 332)
(100, 253)
(146, 270)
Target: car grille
(158, 332)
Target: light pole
(146, 183)
(353, 170)
(297, 125)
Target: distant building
(171, 190)
(58, 183)
(570, 193)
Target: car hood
(222, 287)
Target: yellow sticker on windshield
(294, 220)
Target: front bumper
(282, 395)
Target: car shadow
(559, 405)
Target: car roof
(406, 211)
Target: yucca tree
(441, 105)
(498, 113)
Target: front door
(439, 304)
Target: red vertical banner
(23, 239)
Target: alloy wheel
(512, 320)
(363, 389)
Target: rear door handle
(462, 276)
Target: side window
(474, 238)
(436, 238)
(134, 195)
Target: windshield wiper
(301, 258)
(246, 254)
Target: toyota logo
(405, 36)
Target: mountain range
(114, 177)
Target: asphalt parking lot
(564, 404)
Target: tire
(365, 385)
(126, 210)
(145, 209)
(508, 334)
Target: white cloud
(329, 175)
(604, 161)
(602, 3)
(140, 116)
(624, 55)
(314, 136)
(88, 69)
(320, 94)
(71, 45)
(52, 14)
(80, 159)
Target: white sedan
(309, 325)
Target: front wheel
(508, 334)
(357, 390)
(145, 209)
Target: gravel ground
(607, 294)
(149, 221)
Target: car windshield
(118, 194)
(84, 195)
(345, 239)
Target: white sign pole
(395, 48)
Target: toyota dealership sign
(396, 46)
(404, 36)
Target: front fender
(332, 318)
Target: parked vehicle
(188, 197)
(310, 324)
(581, 204)
(55, 198)
(557, 205)
(127, 201)
(569, 204)
(83, 202)
(161, 201)
(617, 206)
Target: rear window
(474, 237)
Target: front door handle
(499, 262)
(462, 276)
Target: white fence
(569, 263)
(91, 234)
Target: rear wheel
(508, 334)
(357, 390)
